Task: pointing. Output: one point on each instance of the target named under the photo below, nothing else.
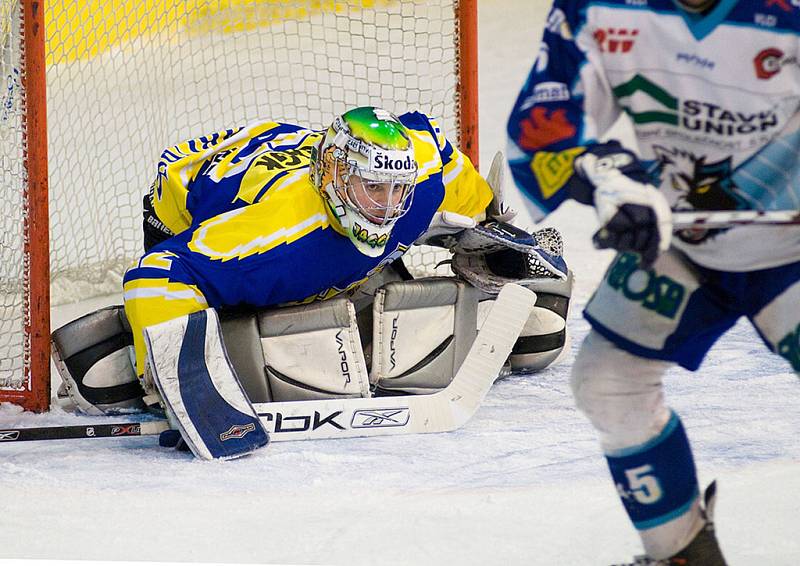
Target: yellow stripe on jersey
(152, 301)
(284, 216)
(157, 260)
(441, 140)
(264, 166)
(426, 154)
(465, 191)
(177, 167)
(180, 164)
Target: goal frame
(36, 244)
(36, 253)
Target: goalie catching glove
(506, 247)
(634, 216)
(492, 256)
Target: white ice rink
(524, 482)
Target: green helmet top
(377, 127)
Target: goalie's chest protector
(298, 258)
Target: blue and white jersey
(714, 102)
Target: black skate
(702, 551)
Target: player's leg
(645, 322)
(156, 289)
(646, 447)
(776, 314)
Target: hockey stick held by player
(275, 215)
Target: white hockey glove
(634, 216)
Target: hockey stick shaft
(115, 430)
(725, 218)
(446, 410)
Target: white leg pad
(199, 387)
(313, 352)
(422, 331)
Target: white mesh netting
(12, 258)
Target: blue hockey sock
(656, 481)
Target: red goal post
(93, 90)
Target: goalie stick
(444, 411)
(700, 219)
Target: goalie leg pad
(199, 387)
(93, 356)
(313, 351)
(422, 330)
(545, 337)
(243, 345)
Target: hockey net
(127, 78)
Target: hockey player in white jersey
(712, 89)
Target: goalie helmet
(365, 169)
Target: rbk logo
(8, 435)
(237, 431)
(616, 40)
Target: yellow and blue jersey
(252, 230)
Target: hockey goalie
(273, 272)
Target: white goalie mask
(365, 169)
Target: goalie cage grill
(126, 79)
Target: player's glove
(634, 216)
